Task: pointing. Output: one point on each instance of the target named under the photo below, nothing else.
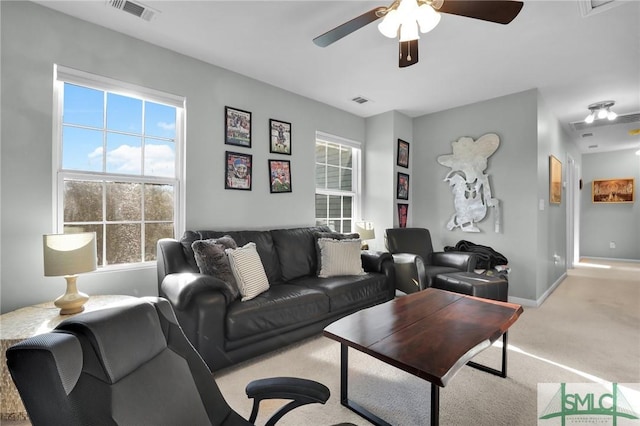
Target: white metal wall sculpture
(469, 184)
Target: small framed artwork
(403, 186)
(613, 190)
(403, 154)
(555, 180)
(403, 212)
(238, 170)
(280, 137)
(280, 176)
(237, 127)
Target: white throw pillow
(339, 257)
(248, 271)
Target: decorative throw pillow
(340, 257)
(212, 260)
(248, 270)
(332, 236)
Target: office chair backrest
(126, 365)
(410, 240)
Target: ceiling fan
(406, 17)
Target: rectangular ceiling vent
(360, 100)
(134, 8)
(622, 119)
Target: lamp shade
(69, 254)
(366, 230)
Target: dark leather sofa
(298, 304)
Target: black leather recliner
(132, 365)
(416, 264)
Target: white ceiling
(573, 60)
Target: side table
(27, 322)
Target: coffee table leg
(503, 371)
(435, 405)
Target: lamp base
(72, 302)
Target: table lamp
(366, 231)
(68, 255)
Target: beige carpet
(588, 330)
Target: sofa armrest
(463, 261)
(183, 287)
(411, 275)
(373, 261)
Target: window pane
(124, 154)
(123, 243)
(321, 153)
(124, 201)
(335, 206)
(346, 226)
(333, 177)
(347, 206)
(160, 120)
(346, 181)
(346, 157)
(321, 173)
(69, 229)
(83, 106)
(82, 149)
(152, 233)
(124, 113)
(321, 205)
(82, 201)
(333, 155)
(158, 202)
(335, 225)
(159, 158)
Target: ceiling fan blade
(408, 53)
(347, 28)
(498, 11)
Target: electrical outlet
(612, 244)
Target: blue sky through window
(130, 128)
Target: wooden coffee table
(431, 334)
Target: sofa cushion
(212, 260)
(297, 251)
(281, 306)
(348, 293)
(339, 257)
(248, 271)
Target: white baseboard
(536, 303)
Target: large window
(337, 182)
(117, 155)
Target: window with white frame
(117, 164)
(337, 199)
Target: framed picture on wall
(403, 212)
(613, 190)
(403, 154)
(280, 176)
(280, 136)
(402, 192)
(238, 169)
(237, 127)
(555, 180)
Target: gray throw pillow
(212, 260)
(333, 236)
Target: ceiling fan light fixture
(409, 31)
(601, 110)
(427, 18)
(611, 115)
(602, 113)
(390, 24)
(590, 118)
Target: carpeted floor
(586, 331)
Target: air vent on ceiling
(587, 135)
(622, 119)
(135, 8)
(360, 100)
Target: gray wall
(35, 38)
(603, 223)
(519, 179)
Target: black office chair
(416, 264)
(132, 365)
